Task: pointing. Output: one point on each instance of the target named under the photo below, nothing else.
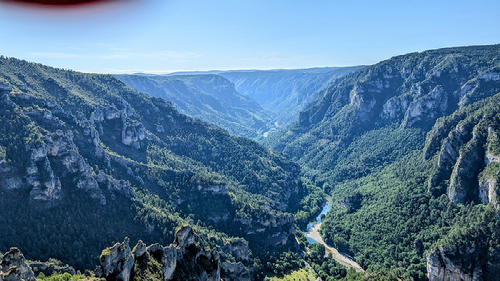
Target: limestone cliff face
(239, 251)
(408, 91)
(446, 264)
(237, 248)
(463, 183)
(465, 168)
(236, 271)
(9, 176)
(426, 108)
(279, 229)
(183, 260)
(57, 157)
(286, 92)
(465, 148)
(13, 267)
(117, 262)
(133, 133)
(489, 192)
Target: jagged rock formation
(467, 154)
(116, 262)
(183, 260)
(238, 248)
(13, 267)
(460, 263)
(465, 147)
(279, 228)
(366, 130)
(235, 271)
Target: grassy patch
(303, 274)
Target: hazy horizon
(159, 36)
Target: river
(313, 236)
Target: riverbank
(313, 234)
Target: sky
(161, 36)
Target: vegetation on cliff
(86, 161)
(371, 137)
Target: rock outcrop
(463, 182)
(236, 251)
(48, 268)
(117, 262)
(428, 108)
(133, 133)
(453, 264)
(236, 272)
(5, 87)
(183, 260)
(9, 178)
(466, 159)
(238, 248)
(81, 144)
(13, 267)
(279, 229)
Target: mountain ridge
(402, 148)
(95, 161)
(286, 91)
(209, 97)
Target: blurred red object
(56, 2)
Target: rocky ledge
(185, 259)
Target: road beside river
(313, 234)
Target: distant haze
(158, 36)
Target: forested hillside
(85, 161)
(389, 106)
(285, 92)
(210, 97)
(408, 150)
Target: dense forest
(86, 160)
(408, 150)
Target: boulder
(13, 266)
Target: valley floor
(314, 235)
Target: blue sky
(124, 36)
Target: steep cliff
(406, 93)
(466, 161)
(470, 252)
(467, 170)
(401, 187)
